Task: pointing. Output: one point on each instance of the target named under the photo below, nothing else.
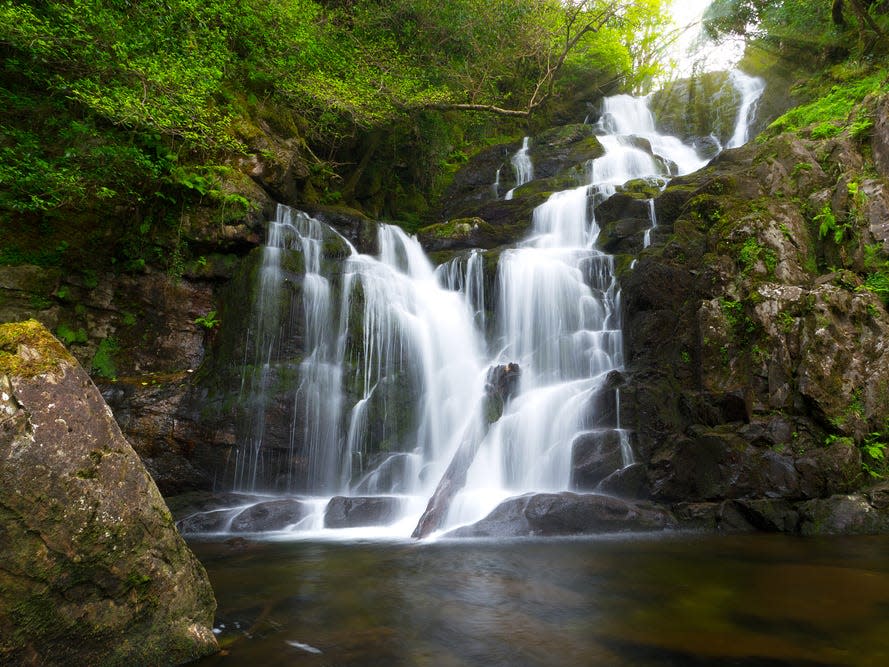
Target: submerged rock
(93, 571)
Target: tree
(798, 23)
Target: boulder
(94, 571)
(243, 515)
(630, 482)
(358, 511)
(842, 515)
(269, 515)
(594, 456)
(552, 514)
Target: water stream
(396, 351)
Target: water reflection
(752, 600)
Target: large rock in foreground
(553, 514)
(93, 570)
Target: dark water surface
(759, 600)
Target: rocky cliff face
(93, 570)
(757, 338)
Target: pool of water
(761, 600)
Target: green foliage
(752, 253)
(131, 107)
(873, 454)
(837, 110)
(69, 336)
(877, 279)
(208, 321)
(743, 327)
(797, 28)
(103, 363)
(829, 226)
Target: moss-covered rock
(94, 571)
(697, 107)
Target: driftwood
(502, 382)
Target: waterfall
(652, 218)
(522, 167)
(395, 352)
(750, 89)
(318, 403)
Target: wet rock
(473, 185)
(269, 515)
(562, 147)
(880, 138)
(235, 513)
(501, 384)
(386, 473)
(773, 516)
(94, 572)
(354, 512)
(186, 504)
(207, 522)
(696, 516)
(623, 236)
(629, 482)
(878, 496)
(550, 514)
(622, 206)
(829, 470)
(697, 106)
(458, 234)
(842, 515)
(699, 468)
(148, 414)
(594, 456)
(356, 227)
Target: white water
(419, 345)
(522, 168)
(751, 89)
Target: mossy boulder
(697, 107)
(93, 571)
(562, 147)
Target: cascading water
(319, 395)
(397, 352)
(751, 89)
(522, 167)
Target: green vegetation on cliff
(119, 118)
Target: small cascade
(652, 216)
(420, 367)
(268, 360)
(495, 187)
(751, 89)
(522, 167)
(466, 274)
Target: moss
(69, 336)
(458, 229)
(103, 361)
(36, 616)
(27, 349)
(642, 188)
